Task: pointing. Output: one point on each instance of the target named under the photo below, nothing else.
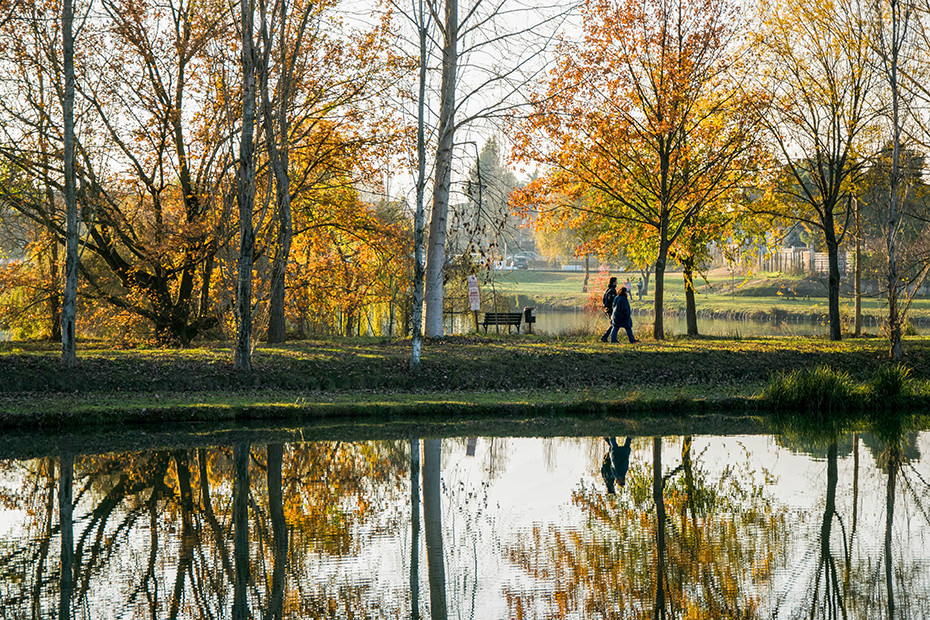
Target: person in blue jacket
(622, 316)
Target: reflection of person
(616, 463)
(608, 300)
(622, 316)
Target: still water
(580, 321)
(750, 526)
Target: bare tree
(484, 64)
(892, 23)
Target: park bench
(510, 319)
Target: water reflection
(703, 527)
(560, 322)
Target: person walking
(640, 289)
(610, 293)
(622, 316)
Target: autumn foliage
(644, 125)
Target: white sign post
(474, 297)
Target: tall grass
(821, 400)
(818, 391)
(891, 386)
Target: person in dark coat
(609, 295)
(622, 317)
(616, 463)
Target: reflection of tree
(240, 519)
(65, 503)
(829, 594)
(414, 528)
(177, 519)
(709, 545)
(432, 518)
(893, 463)
(275, 454)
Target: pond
(573, 322)
(703, 526)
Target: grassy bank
(508, 375)
(722, 294)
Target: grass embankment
(508, 375)
(722, 294)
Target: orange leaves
(642, 123)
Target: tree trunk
(833, 279)
(690, 306)
(436, 250)
(858, 281)
(240, 519)
(69, 301)
(658, 330)
(419, 215)
(432, 517)
(646, 273)
(246, 194)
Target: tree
(821, 84)
(892, 25)
(69, 299)
(905, 245)
(641, 126)
(144, 159)
(442, 181)
(485, 224)
(319, 87)
(475, 40)
(246, 193)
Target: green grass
(720, 294)
(516, 374)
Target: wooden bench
(510, 319)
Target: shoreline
(463, 376)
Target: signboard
(474, 297)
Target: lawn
(510, 375)
(720, 293)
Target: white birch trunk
(436, 248)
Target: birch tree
(485, 63)
(246, 192)
(69, 299)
